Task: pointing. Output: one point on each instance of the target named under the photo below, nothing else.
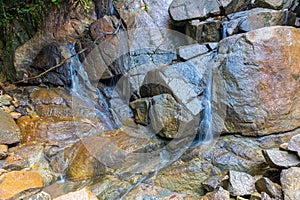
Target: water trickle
(224, 29)
(286, 17)
(86, 92)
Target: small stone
(3, 151)
(15, 115)
(5, 100)
(214, 182)
(240, 198)
(83, 194)
(290, 183)
(281, 159)
(255, 196)
(284, 147)
(266, 185)
(294, 144)
(15, 102)
(140, 108)
(219, 194)
(241, 183)
(20, 184)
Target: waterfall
(82, 89)
(224, 30)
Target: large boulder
(259, 70)
(191, 9)
(290, 183)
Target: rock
(140, 108)
(294, 144)
(185, 81)
(191, 9)
(241, 184)
(64, 25)
(82, 164)
(281, 159)
(290, 183)
(3, 151)
(15, 115)
(250, 84)
(190, 51)
(48, 57)
(169, 119)
(204, 31)
(255, 196)
(214, 182)
(30, 157)
(48, 96)
(40, 196)
(268, 4)
(266, 185)
(186, 177)
(9, 131)
(274, 141)
(83, 194)
(256, 18)
(219, 194)
(284, 147)
(20, 184)
(5, 100)
(265, 196)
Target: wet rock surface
(20, 184)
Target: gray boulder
(247, 69)
(241, 183)
(266, 185)
(281, 159)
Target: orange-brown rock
(83, 194)
(257, 83)
(19, 184)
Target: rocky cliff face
(156, 99)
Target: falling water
(86, 92)
(224, 30)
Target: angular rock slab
(19, 184)
(294, 144)
(192, 9)
(259, 70)
(266, 185)
(241, 183)
(281, 159)
(9, 131)
(290, 183)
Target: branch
(67, 59)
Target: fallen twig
(67, 59)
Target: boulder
(294, 144)
(83, 194)
(169, 119)
(140, 108)
(214, 182)
(204, 31)
(267, 186)
(191, 9)
(20, 184)
(273, 4)
(253, 79)
(290, 183)
(256, 18)
(241, 183)
(9, 131)
(219, 194)
(281, 159)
